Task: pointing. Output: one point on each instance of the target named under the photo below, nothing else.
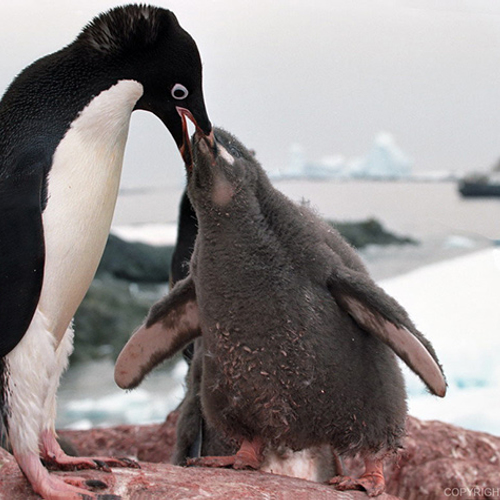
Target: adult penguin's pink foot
(52, 487)
(55, 458)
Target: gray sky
(328, 74)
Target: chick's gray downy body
(283, 355)
(298, 341)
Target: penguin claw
(81, 482)
(95, 484)
(74, 488)
(104, 463)
(101, 465)
(373, 483)
(128, 462)
(70, 488)
(56, 459)
(67, 463)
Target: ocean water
(422, 209)
(449, 283)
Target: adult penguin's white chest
(82, 190)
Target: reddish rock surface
(146, 443)
(440, 461)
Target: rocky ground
(439, 461)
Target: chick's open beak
(185, 148)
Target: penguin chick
(195, 437)
(64, 123)
(299, 342)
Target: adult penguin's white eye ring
(179, 92)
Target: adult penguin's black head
(147, 44)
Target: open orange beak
(185, 148)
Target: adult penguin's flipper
(22, 255)
(380, 315)
(172, 323)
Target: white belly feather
(82, 188)
(313, 464)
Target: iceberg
(384, 160)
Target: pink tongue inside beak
(185, 148)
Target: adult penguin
(64, 123)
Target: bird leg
(51, 452)
(249, 456)
(372, 480)
(55, 458)
(51, 487)
(35, 366)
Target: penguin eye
(179, 92)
